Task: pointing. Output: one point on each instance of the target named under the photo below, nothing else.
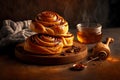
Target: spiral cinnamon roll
(51, 23)
(43, 44)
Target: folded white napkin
(14, 32)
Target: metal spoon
(81, 66)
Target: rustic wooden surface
(13, 69)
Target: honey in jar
(89, 34)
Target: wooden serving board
(63, 58)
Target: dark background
(105, 12)
(114, 13)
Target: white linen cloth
(14, 32)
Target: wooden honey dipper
(100, 52)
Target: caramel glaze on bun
(52, 34)
(51, 23)
(43, 44)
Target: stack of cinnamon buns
(52, 34)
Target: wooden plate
(63, 58)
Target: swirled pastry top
(51, 23)
(43, 44)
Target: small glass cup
(89, 33)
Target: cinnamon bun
(51, 23)
(43, 44)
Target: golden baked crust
(52, 34)
(68, 40)
(43, 44)
(51, 23)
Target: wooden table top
(13, 69)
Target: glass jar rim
(89, 25)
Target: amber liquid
(88, 37)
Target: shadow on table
(8, 50)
